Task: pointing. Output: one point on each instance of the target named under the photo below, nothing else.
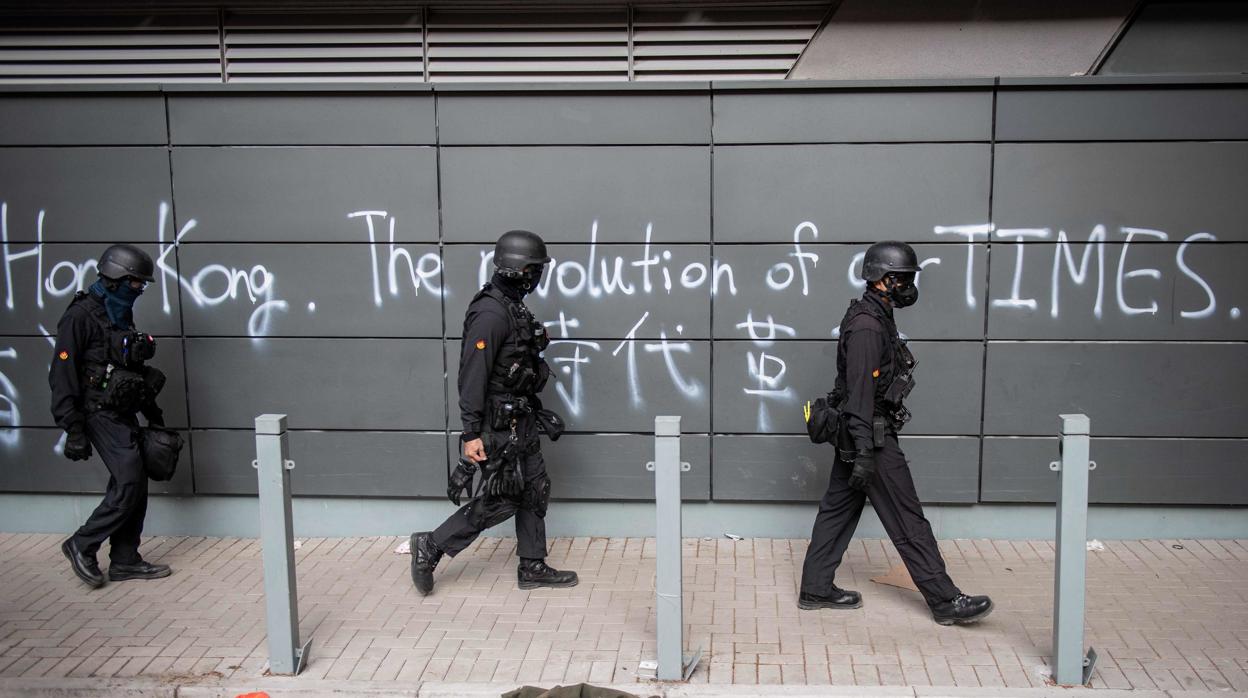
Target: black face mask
(903, 295)
(530, 279)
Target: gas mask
(902, 290)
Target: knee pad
(536, 495)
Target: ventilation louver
(528, 46)
(382, 47)
(721, 44)
(114, 48)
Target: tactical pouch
(550, 423)
(879, 429)
(131, 347)
(519, 379)
(903, 375)
(822, 418)
(160, 448)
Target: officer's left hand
(474, 450)
(77, 446)
(863, 472)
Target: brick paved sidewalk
(1168, 615)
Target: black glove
(864, 470)
(508, 481)
(460, 482)
(77, 447)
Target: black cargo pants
(119, 517)
(894, 499)
(529, 507)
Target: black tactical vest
(518, 369)
(890, 392)
(113, 373)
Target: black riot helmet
(120, 261)
(889, 257)
(517, 249)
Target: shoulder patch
(480, 344)
(64, 356)
(875, 373)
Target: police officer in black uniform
(874, 373)
(501, 372)
(99, 383)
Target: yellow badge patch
(64, 355)
(875, 373)
(480, 343)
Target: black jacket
(864, 363)
(487, 329)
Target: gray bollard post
(273, 468)
(1070, 665)
(673, 664)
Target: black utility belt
(505, 409)
(121, 389)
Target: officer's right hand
(77, 447)
(474, 450)
(864, 470)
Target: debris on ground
(405, 548)
(898, 577)
(734, 536)
(1095, 546)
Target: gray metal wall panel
(754, 394)
(577, 194)
(83, 119)
(1132, 389)
(1128, 471)
(851, 193)
(312, 290)
(1200, 293)
(591, 308)
(597, 391)
(30, 463)
(572, 119)
(67, 268)
(791, 468)
(1122, 114)
(320, 383)
(1180, 189)
(853, 117)
(25, 360)
(613, 466)
(333, 463)
(295, 119)
(307, 194)
(100, 195)
(809, 294)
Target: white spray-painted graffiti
(10, 415)
(646, 270)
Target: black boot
(85, 566)
(961, 609)
(142, 569)
(836, 598)
(425, 557)
(532, 574)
